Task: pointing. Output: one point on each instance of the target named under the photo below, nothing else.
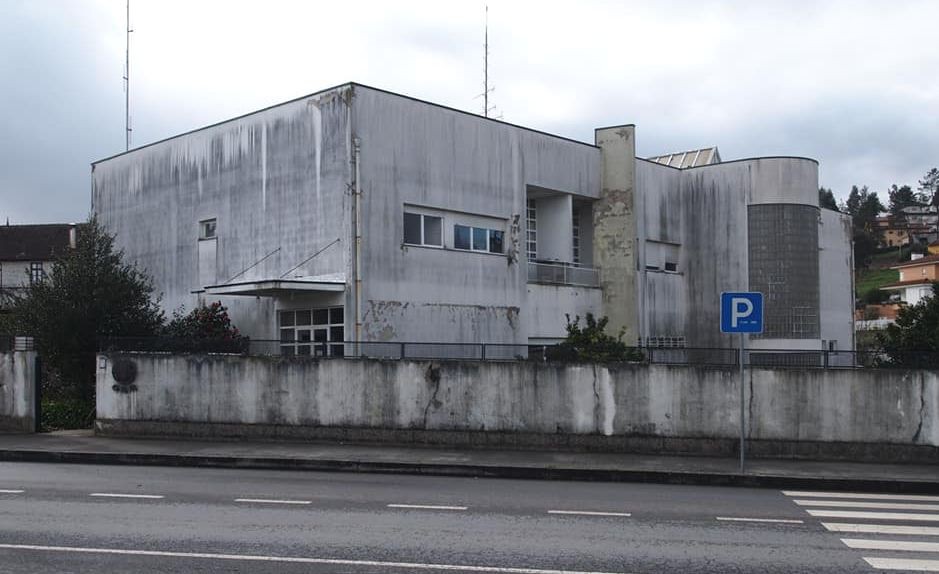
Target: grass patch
(871, 279)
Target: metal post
(743, 422)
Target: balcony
(557, 273)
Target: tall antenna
(486, 89)
(127, 128)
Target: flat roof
(337, 87)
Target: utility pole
(127, 128)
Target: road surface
(84, 518)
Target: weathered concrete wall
(547, 305)
(614, 229)
(17, 391)
(704, 216)
(460, 166)
(850, 414)
(835, 262)
(275, 181)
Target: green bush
(591, 344)
(66, 414)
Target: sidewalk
(83, 447)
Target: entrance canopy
(279, 287)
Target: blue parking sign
(742, 312)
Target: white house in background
(916, 278)
(27, 252)
(356, 214)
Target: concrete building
(27, 252)
(356, 214)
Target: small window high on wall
(207, 229)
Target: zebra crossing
(893, 531)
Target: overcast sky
(852, 84)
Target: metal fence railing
(707, 357)
(563, 274)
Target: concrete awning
(276, 287)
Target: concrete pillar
(614, 229)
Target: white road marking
(881, 505)
(874, 515)
(904, 564)
(589, 513)
(814, 494)
(293, 559)
(270, 501)
(114, 495)
(898, 545)
(11, 491)
(770, 520)
(881, 529)
(427, 507)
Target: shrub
(591, 343)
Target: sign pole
(743, 422)
(742, 313)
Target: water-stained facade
(356, 214)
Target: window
(207, 229)
(531, 230)
(575, 243)
(36, 273)
(478, 239)
(312, 332)
(671, 266)
(420, 229)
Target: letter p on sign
(741, 312)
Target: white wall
(17, 391)
(851, 407)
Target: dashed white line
(11, 491)
(880, 505)
(904, 564)
(272, 501)
(897, 545)
(295, 560)
(815, 494)
(881, 529)
(118, 495)
(427, 507)
(590, 513)
(874, 515)
(769, 520)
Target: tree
(900, 197)
(929, 187)
(864, 206)
(90, 293)
(913, 340)
(591, 344)
(826, 199)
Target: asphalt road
(83, 518)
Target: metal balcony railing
(562, 274)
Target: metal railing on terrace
(562, 274)
(704, 357)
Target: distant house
(933, 248)
(26, 253)
(916, 278)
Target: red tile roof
(916, 262)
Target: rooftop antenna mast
(127, 128)
(486, 89)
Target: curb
(479, 471)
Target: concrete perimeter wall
(17, 391)
(850, 414)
